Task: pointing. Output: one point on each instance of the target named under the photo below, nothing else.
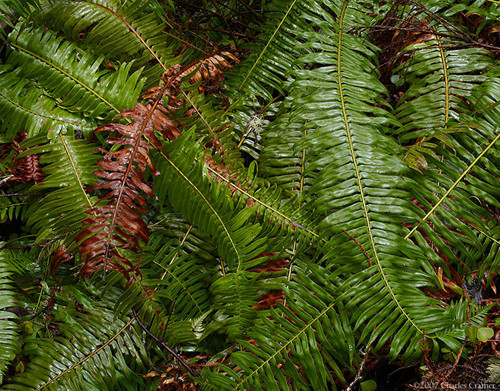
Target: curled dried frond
(210, 68)
(60, 257)
(26, 169)
(223, 170)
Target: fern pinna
(246, 195)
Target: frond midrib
(66, 74)
(358, 177)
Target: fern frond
(460, 227)
(8, 326)
(115, 223)
(440, 80)
(266, 199)
(264, 72)
(456, 223)
(281, 160)
(132, 30)
(170, 225)
(10, 10)
(24, 106)
(185, 177)
(27, 168)
(68, 164)
(360, 190)
(11, 208)
(77, 81)
(183, 280)
(235, 296)
(88, 339)
(306, 336)
(18, 262)
(210, 68)
(173, 291)
(273, 57)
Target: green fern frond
(11, 208)
(17, 261)
(25, 107)
(183, 163)
(462, 175)
(173, 291)
(360, 190)
(183, 283)
(10, 10)
(231, 223)
(274, 204)
(235, 295)
(281, 160)
(272, 59)
(170, 225)
(77, 81)
(440, 80)
(87, 339)
(216, 133)
(132, 30)
(69, 164)
(8, 326)
(264, 72)
(306, 336)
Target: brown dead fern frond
(115, 225)
(209, 69)
(26, 169)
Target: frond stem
(267, 45)
(191, 371)
(226, 230)
(446, 82)
(20, 48)
(134, 31)
(88, 356)
(490, 145)
(358, 176)
(65, 145)
(294, 223)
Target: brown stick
(467, 40)
(159, 341)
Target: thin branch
(159, 341)
(360, 370)
(21, 194)
(468, 41)
(39, 312)
(232, 10)
(224, 19)
(220, 31)
(443, 379)
(443, 21)
(255, 14)
(189, 4)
